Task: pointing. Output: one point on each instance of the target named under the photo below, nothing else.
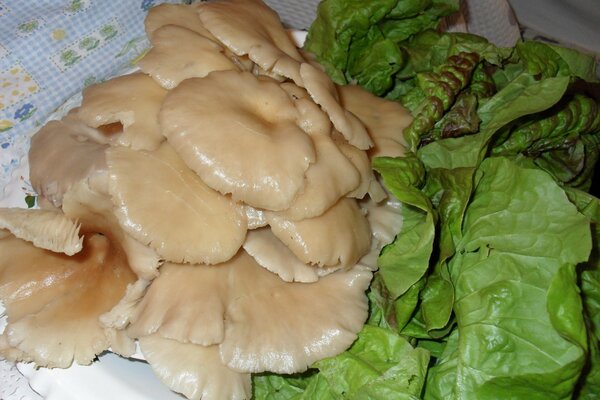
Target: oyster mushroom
(384, 119)
(53, 301)
(239, 133)
(178, 53)
(259, 322)
(175, 14)
(249, 27)
(62, 153)
(88, 202)
(194, 315)
(270, 253)
(329, 178)
(340, 235)
(195, 371)
(324, 93)
(202, 225)
(132, 100)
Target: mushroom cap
(329, 178)
(175, 14)
(312, 119)
(53, 301)
(384, 119)
(360, 160)
(46, 229)
(270, 253)
(260, 322)
(88, 202)
(203, 226)
(178, 53)
(193, 370)
(256, 218)
(133, 100)
(185, 303)
(239, 134)
(324, 93)
(250, 27)
(62, 153)
(281, 327)
(340, 235)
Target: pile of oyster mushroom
(218, 207)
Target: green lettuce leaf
(520, 330)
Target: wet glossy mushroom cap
(88, 201)
(174, 14)
(178, 53)
(324, 93)
(270, 253)
(203, 226)
(249, 27)
(193, 370)
(340, 235)
(185, 303)
(281, 327)
(239, 133)
(134, 101)
(384, 119)
(329, 178)
(259, 322)
(62, 153)
(53, 301)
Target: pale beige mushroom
(270, 253)
(285, 327)
(249, 27)
(134, 101)
(202, 226)
(185, 303)
(311, 118)
(384, 119)
(340, 235)
(329, 178)
(88, 201)
(175, 14)
(259, 322)
(62, 153)
(186, 17)
(53, 301)
(178, 53)
(361, 161)
(324, 93)
(239, 133)
(46, 229)
(195, 371)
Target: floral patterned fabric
(49, 51)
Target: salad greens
(492, 289)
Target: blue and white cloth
(49, 51)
